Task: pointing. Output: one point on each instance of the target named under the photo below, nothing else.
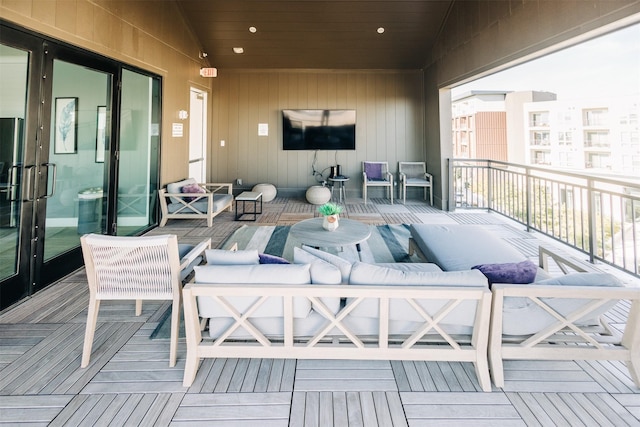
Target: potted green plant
(330, 212)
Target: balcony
(128, 381)
(597, 216)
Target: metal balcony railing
(596, 215)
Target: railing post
(490, 185)
(451, 202)
(591, 219)
(529, 185)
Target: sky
(602, 67)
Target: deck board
(129, 381)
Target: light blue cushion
(456, 247)
(176, 187)
(411, 266)
(343, 265)
(225, 257)
(184, 249)
(322, 273)
(287, 274)
(523, 317)
(583, 279)
(372, 274)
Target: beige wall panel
(66, 16)
(21, 7)
(387, 104)
(152, 38)
(44, 11)
(84, 26)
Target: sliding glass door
(79, 153)
(16, 60)
(138, 153)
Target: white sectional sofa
(323, 307)
(560, 318)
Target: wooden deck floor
(129, 381)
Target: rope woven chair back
(412, 169)
(132, 267)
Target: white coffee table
(310, 232)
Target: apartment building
(600, 135)
(479, 127)
(489, 125)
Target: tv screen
(319, 129)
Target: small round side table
(339, 181)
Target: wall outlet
(239, 181)
(222, 143)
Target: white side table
(248, 196)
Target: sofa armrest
(215, 187)
(194, 253)
(563, 263)
(567, 336)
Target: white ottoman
(318, 195)
(268, 191)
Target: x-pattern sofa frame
(187, 203)
(429, 342)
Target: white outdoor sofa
(553, 318)
(313, 309)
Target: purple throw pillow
(373, 171)
(510, 272)
(191, 188)
(271, 259)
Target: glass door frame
(46, 271)
(19, 285)
(33, 272)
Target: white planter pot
(330, 222)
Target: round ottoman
(268, 191)
(318, 195)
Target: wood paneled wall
(134, 32)
(389, 111)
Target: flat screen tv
(319, 129)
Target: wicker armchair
(136, 268)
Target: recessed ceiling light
(380, 30)
(252, 29)
(238, 50)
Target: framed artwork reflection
(66, 126)
(101, 136)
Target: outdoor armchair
(414, 174)
(136, 268)
(376, 174)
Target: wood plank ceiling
(316, 34)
